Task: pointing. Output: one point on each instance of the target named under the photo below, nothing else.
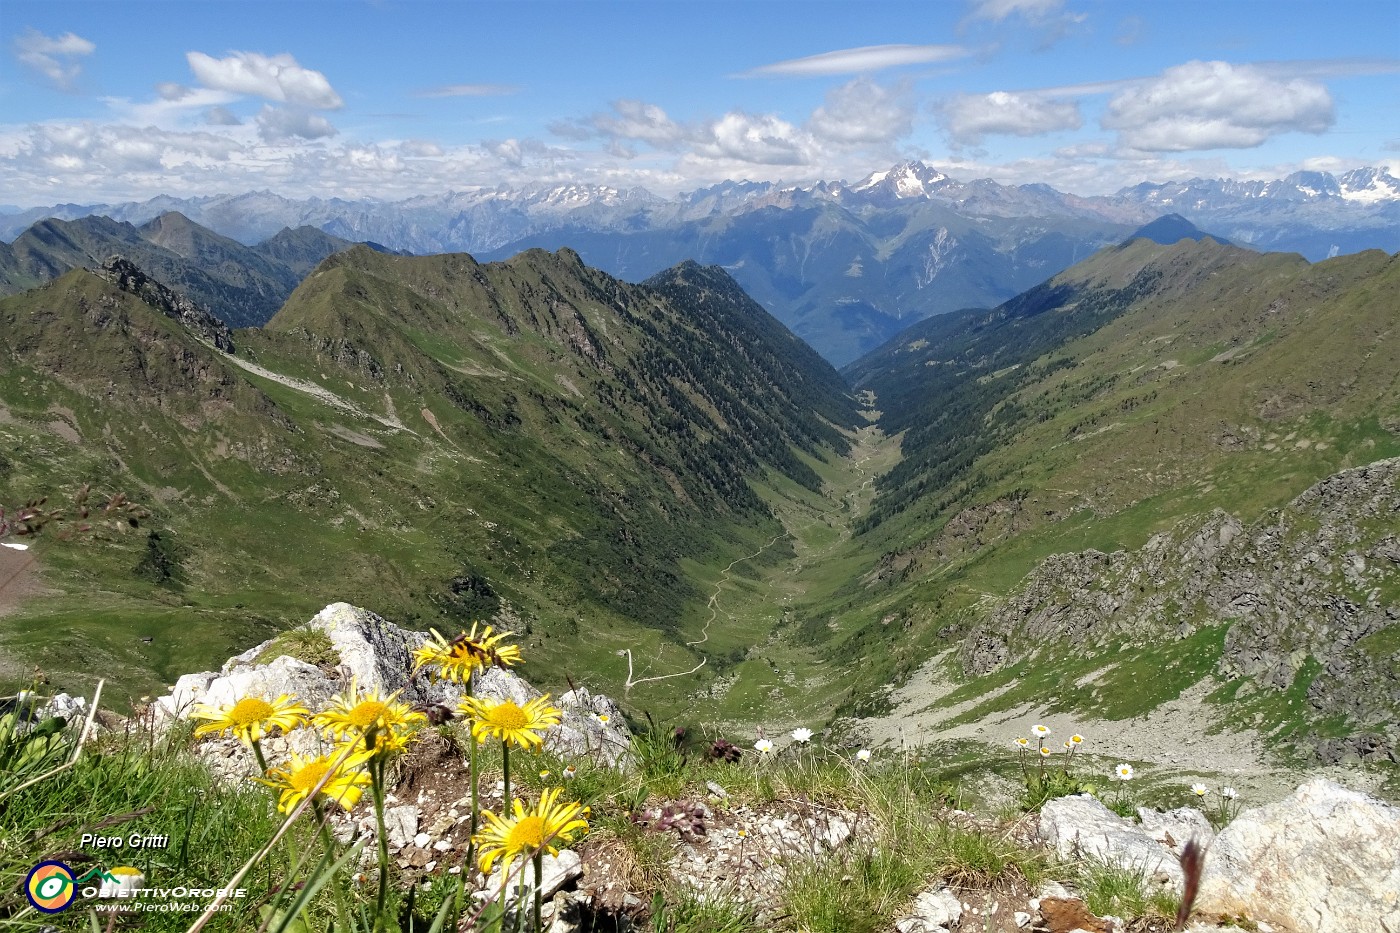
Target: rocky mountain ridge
(844, 265)
(1310, 596)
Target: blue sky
(111, 100)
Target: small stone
(421, 840)
(1021, 917)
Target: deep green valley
(1095, 499)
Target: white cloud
(1047, 16)
(638, 121)
(54, 57)
(762, 138)
(526, 153)
(221, 116)
(1216, 105)
(861, 112)
(272, 77)
(469, 90)
(998, 10)
(112, 150)
(967, 118)
(420, 149)
(169, 90)
(861, 60)
(277, 124)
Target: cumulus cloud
(278, 124)
(518, 153)
(860, 60)
(272, 77)
(221, 116)
(420, 149)
(1216, 105)
(863, 111)
(639, 121)
(86, 149)
(469, 90)
(761, 138)
(967, 118)
(54, 57)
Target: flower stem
(471, 772)
(258, 754)
(505, 769)
(539, 887)
(376, 771)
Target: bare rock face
(376, 654)
(1325, 859)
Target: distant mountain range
(242, 285)
(845, 266)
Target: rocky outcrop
(1081, 827)
(125, 274)
(1304, 592)
(1323, 860)
(378, 655)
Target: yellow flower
(251, 717)
(383, 720)
(469, 651)
(525, 833)
(300, 776)
(509, 722)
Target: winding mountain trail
(754, 603)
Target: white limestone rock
(1082, 827)
(1174, 828)
(377, 655)
(1322, 860)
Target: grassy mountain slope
(1131, 396)
(441, 439)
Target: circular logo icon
(50, 887)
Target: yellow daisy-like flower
(509, 722)
(527, 832)
(469, 651)
(355, 716)
(300, 776)
(251, 717)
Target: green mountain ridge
(1129, 397)
(664, 489)
(442, 439)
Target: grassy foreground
(906, 837)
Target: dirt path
(866, 438)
